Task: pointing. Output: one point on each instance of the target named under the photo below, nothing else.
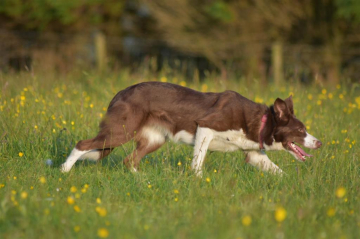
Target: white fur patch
(154, 134)
(231, 140)
(157, 135)
(310, 141)
(261, 160)
(183, 137)
(92, 155)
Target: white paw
(64, 168)
(199, 173)
(279, 172)
(276, 170)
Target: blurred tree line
(255, 36)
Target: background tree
(64, 15)
(256, 37)
(222, 31)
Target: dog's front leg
(260, 160)
(202, 140)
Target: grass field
(43, 116)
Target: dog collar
(262, 126)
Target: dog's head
(290, 131)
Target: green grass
(43, 116)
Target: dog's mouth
(298, 152)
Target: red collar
(262, 126)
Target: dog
(152, 112)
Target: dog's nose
(318, 144)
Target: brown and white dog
(149, 113)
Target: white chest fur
(225, 141)
(231, 140)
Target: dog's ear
(282, 112)
(289, 103)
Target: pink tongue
(302, 151)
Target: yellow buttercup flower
(246, 220)
(46, 211)
(331, 212)
(258, 100)
(70, 200)
(21, 154)
(73, 189)
(77, 208)
(24, 195)
(103, 232)
(280, 214)
(357, 100)
(204, 87)
(101, 211)
(340, 192)
(42, 180)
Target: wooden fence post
(277, 62)
(100, 48)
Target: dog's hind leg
(143, 148)
(71, 160)
(118, 127)
(95, 148)
(261, 160)
(96, 154)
